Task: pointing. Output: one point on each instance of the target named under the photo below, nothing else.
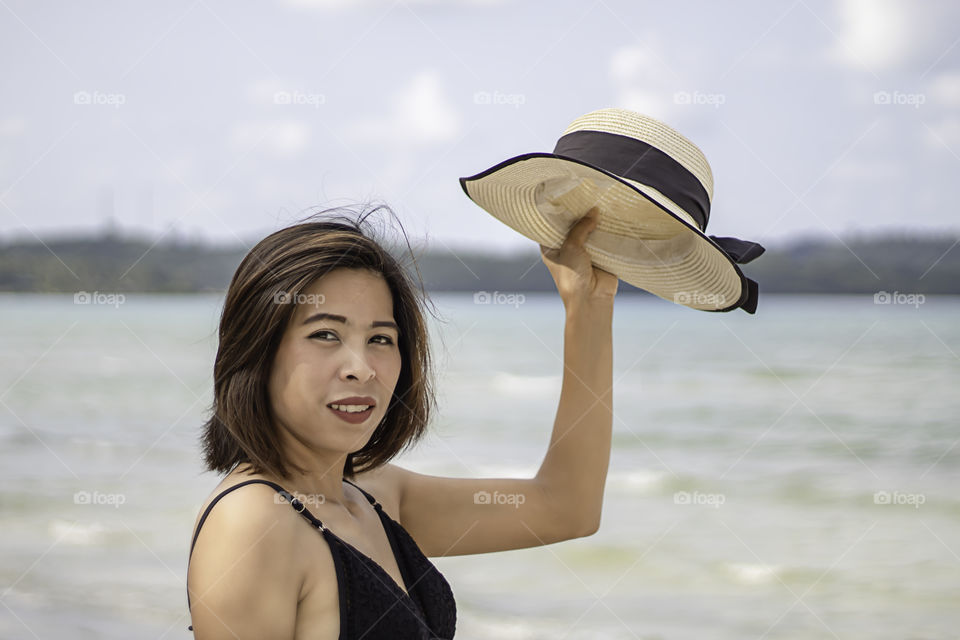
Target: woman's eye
(385, 340)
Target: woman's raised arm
(457, 516)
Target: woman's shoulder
(259, 500)
(251, 504)
(235, 556)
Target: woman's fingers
(578, 234)
(572, 267)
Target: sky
(223, 121)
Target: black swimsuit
(372, 604)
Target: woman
(321, 377)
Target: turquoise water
(742, 499)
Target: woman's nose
(355, 365)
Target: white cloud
(343, 4)
(628, 62)
(943, 96)
(945, 90)
(641, 82)
(11, 127)
(422, 114)
(878, 35)
(945, 133)
(875, 33)
(324, 4)
(652, 103)
(282, 137)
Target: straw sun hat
(653, 188)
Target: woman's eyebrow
(337, 318)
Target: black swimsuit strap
(296, 504)
(397, 548)
(369, 497)
(300, 508)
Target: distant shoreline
(908, 264)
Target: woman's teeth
(351, 408)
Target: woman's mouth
(354, 414)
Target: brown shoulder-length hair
(257, 309)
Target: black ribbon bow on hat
(742, 252)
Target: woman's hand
(573, 272)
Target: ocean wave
(752, 573)
(641, 481)
(510, 384)
(72, 532)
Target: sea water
(791, 474)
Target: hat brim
(642, 237)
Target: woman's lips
(352, 418)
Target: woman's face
(324, 359)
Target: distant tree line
(916, 264)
